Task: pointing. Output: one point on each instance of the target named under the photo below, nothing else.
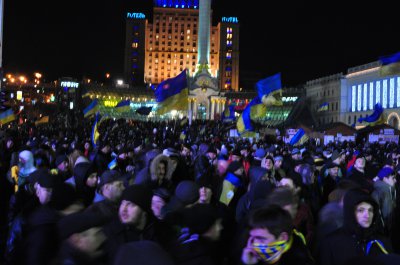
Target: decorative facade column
(213, 101)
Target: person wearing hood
(385, 195)
(358, 236)
(84, 180)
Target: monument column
(203, 38)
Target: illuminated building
(161, 49)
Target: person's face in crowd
(43, 194)
(157, 203)
(268, 164)
(205, 194)
(292, 209)
(89, 241)
(161, 170)
(390, 180)
(368, 158)
(114, 190)
(106, 149)
(214, 232)
(239, 172)
(87, 145)
(91, 181)
(130, 213)
(211, 155)
(333, 172)
(296, 156)
(63, 166)
(297, 168)
(222, 165)
(360, 163)
(122, 156)
(244, 152)
(236, 158)
(278, 164)
(364, 214)
(185, 151)
(260, 236)
(9, 144)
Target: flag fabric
(112, 164)
(91, 109)
(228, 114)
(253, 111)
(390, 65)
(95, 130)
(172, 94)
(375, 118)
(43, 120)
(269, 86)
(323, 107)
(182, 136)
(229, 186)
(123, 105)
(299, 138)
(144, 110)
(7, 116)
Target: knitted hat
(278, 158)
(260, 153)
(199, 218)
(187, 192)
(385, 172)
(163, 193)
(44, 178)
(204, 181)
(140, 195)
(295, 151)
(60, 159)
(109, 176)
(233, 166)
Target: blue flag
(390, 65)
(95, 131)
(123, 105)
(375, 118)
(91, 109)
(269, 86)
(228, 114)
(323, 107)
(299, 138)
(7, 116)
(172, 94)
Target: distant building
(161, 49)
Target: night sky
(300, 39)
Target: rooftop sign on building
(230, 19)
(135, 15)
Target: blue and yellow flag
(299, 138)
(254, 110)
(7, 116)
(123, 105)
(323, 107)
(228, 115)
(91, 109)
(112, 164)
(269, 86)
(172, 94)
(95, 130)
(375, 118)
(390, 65)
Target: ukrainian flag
(299, 138)
(95, 131)
(390, 65)
(228, 114)
(7, 116)
(254, 110)
(229, 186)
(323, 107)
(182, 136)
(172, 94)
(44, 119)
(269, 90)
(91, 109)
(112, 164)
(123, 105)
(375, 118)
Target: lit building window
(391, 93)
(359, 98)
(353, 98)
(371, 95)
(378, 92)
(398, 91)
(188, 31)
(365, 91)
(384, 94)
(228, 55)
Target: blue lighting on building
(135, 15)
(230, 19)
(189, 4)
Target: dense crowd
(174, 193)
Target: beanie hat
(140, 195)
(199, 218)
(109, 176)
(204, 181)
(60, 159)
(279, 158)
(163, 193)
(260, 153)
(187, 192)
(78, 222)
(83, 170)
(44, 178)
(63, 195)
(233, 166)
(385, 172)
(270, 158)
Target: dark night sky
(300, 39)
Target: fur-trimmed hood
(171, 166)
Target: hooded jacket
(352, 240)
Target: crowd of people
(178, 193)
